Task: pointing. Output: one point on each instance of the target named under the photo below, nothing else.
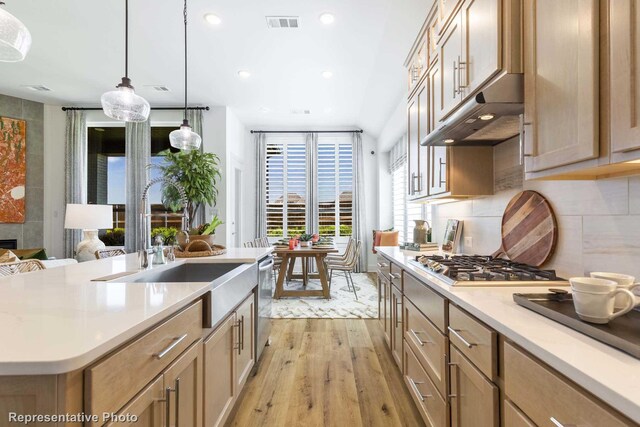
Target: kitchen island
(607, 373)
(68, 330)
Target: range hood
(499, 103)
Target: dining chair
(342, 256)
(249, 245)
(12, 268)
(346, 267)
(108, 253)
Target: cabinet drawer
(383, 266)
(544, 395)
(431, 304)
(432, 407)
(474, 340)
(395, 276)
(513, 417)
(429, 345)
(113, 381)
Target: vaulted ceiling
(78, 53)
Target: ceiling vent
(38, 88)
(283, 21)
(300, 111)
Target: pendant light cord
(126, 38)
(185, 59)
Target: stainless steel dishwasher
(264, 299)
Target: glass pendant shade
(184, 138)
(124, 105)
(15, 39)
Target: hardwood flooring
(326, 372)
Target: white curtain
(75, 171)
(196, 120)
(137, 154)
(359, 213)
(260, 141)
(312, 182)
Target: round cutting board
(529, 229)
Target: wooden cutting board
(529, 229)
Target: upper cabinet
(624, 56)
(561, 121)
(450, 57)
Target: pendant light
(185, 138)
(123, 104)
(15, 38)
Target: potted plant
(197, 172)
(305, 239)
(206, 232)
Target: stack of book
(419, 247)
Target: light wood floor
(321, 372)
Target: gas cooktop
(477, 270)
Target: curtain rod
(153, 108)
(308, 131)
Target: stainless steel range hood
(499, 103)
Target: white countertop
(608, 373)
(57, 320)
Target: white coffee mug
(594, 298)
(624, 281)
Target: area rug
(342, 305)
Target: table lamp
(89, 219)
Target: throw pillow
(8, 256)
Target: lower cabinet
(229, 356)
(146, 407)
(183, 388)
(474, 399)
(396, 324)
(384, 306)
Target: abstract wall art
(13, 169)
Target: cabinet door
(245, 330)
(438, 170)
(396, 323)
(481, 46)
(219, 374)
(624, 56)
(146, 406)
(435, 97)
(450, 55)
(387, 312)
(423, 131)
(446, 9)
(413, 151)
(474, 399)
(561, 82)
(183, 388)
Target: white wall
(54, 187)
(598, 221)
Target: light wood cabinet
(475, 340)
(245, 321)
(219, 373)
(417, 126)
(449, 56)
(387, 311)
(561, 83)
(481, 47)
(446, 9)
(183, 388)
(147, 408)
(513, 417)
(396, 323)
(474, 399)
(438, 170)
(624, 74)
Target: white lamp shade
(184, 138)
(88, 217)
(124, 105)
(15, 39)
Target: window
(287, 175)
(106, 172)
(404, 212)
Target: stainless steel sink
(185, 273)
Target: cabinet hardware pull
(177, 387)
(442, 182)
(242, 334)
(394, 276)
(417, 338)
(460, 337)
(398, 319)
(382, 265)
(452, 396)
(420, 182)
(236, 346)
(455, 69)
(167, 407)
(171, 346)
(414, 386)
(559, 424)
(461, 64)
(521, 138)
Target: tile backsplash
(598, 221)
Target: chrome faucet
(145, 241)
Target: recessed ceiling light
(244, 74)
(486, 117)
(327, 18)
(449, 141)
(212, 19)
(327, 74)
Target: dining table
(306, 254)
